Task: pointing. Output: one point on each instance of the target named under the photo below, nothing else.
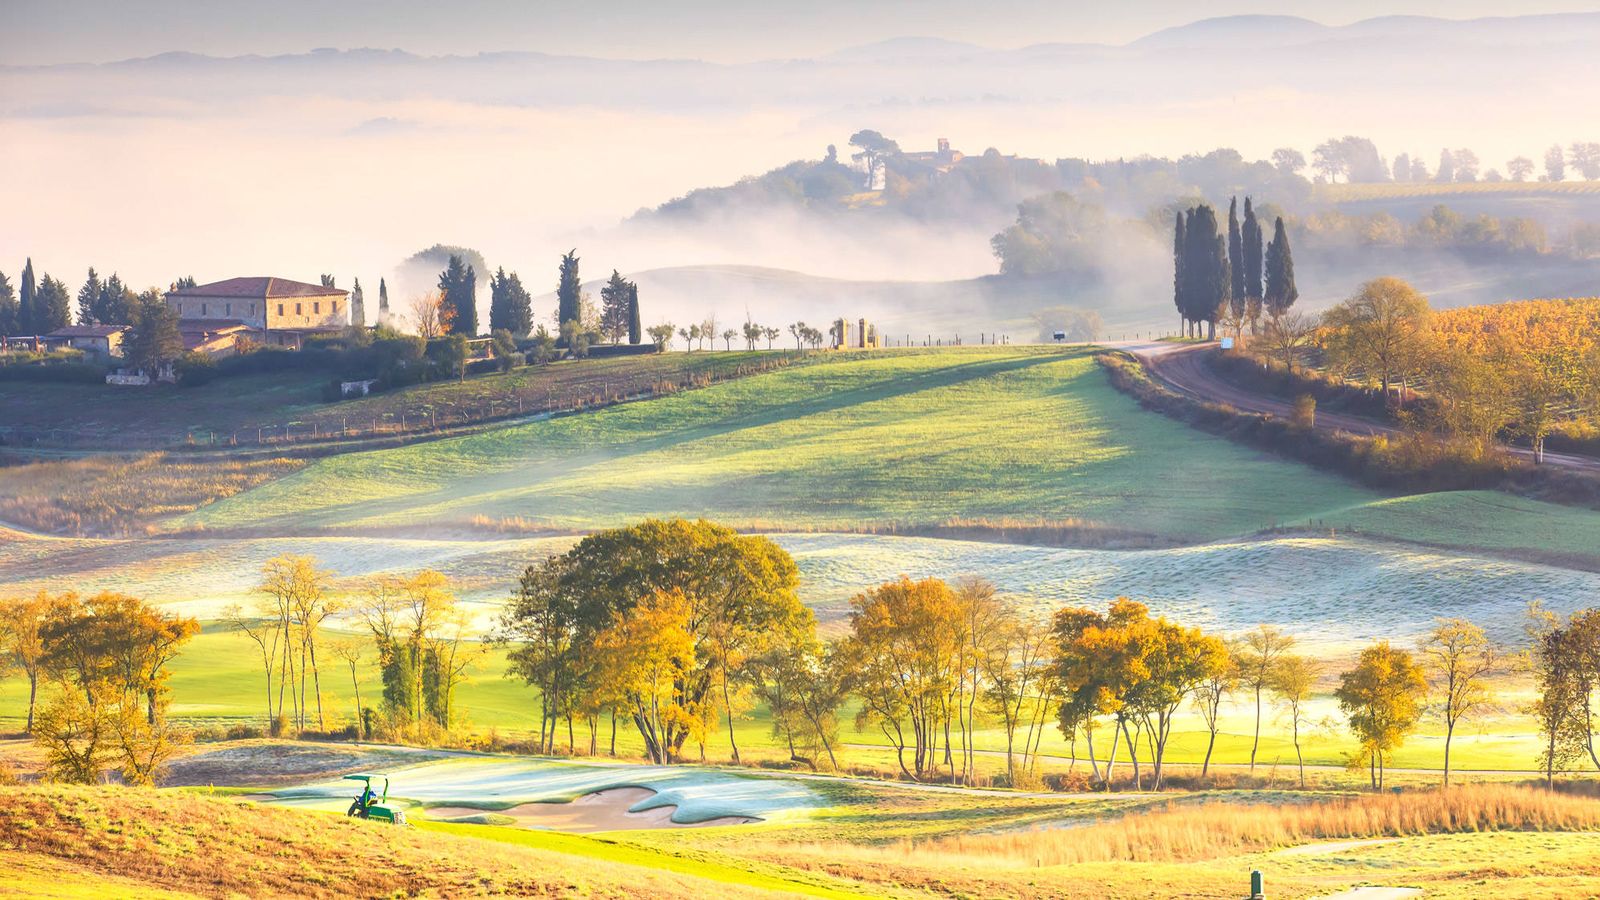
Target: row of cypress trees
(45, 305)
(1214, 274)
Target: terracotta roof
(260, 288)
(72, 331)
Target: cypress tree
(521, 303)
(499, 302)
(1235, 260)
(383, 302)
(614, 307)
(633, 312)
(116, 302)
(1178, 283)
(1205, 275)
(1281, 292)
(358, 306)
(1252, 265)
(25, 312)
(460, 286)
(568, 291)
(52, 306)
(89, 298)
(8, 307)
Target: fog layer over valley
(349, 161)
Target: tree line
(1229, 277)
(678, 629)
(674, 627)
(1524, 369)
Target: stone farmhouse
(274, 311)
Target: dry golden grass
(118, 495)
(1213, 830)
(221, 847)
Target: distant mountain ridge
(1236, 32)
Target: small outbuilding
(99, 341)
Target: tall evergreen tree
(1281, 292)
(52, 306)
(25, 307)
(1179, 285)
(115, 304)
(1206, 282)
(89, 298)
(358, 306)
(510, 306)
(1252, 237)
(499, 302)
(156, 341)
(383, 302)
(459, 283)
(1236, 265)
(186, 281)
(8, 307)
(569, 290)
(633, 312)
(521, 308)
(614, 307)
(327, 281)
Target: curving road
(1182, 369)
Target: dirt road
(1182, 368)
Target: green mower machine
(369, 804)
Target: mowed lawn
(890, 439)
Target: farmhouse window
(297, 309)
(202, 310)
(316, 307)
(280, 309)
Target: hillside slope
(880, 441)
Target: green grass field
(893, 439)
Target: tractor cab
(370, 804)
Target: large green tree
(156, 341)
(740, 593)
(569, 291)
(1206, 280)
(510, 305)
(614, 307)
(633, 313)
(459, 283)
(89, 298)
(8, 307)
(25, 312)
(1236, 264)
(1251, 256)
(52, 306)
(1280, 292)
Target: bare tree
(1460, 659)
(428, 314)
(1257, 658)
(1286, 334)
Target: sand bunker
(606, 810)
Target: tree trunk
(613, 732)
(1116, 735)
(1210, 745)
(1449, 732)
(1301, 760)
(33, 697)
(361, 722)
(1257, 742)
(727, 705)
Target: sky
(55, 31)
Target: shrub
(195, 369)
(1305, 412)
